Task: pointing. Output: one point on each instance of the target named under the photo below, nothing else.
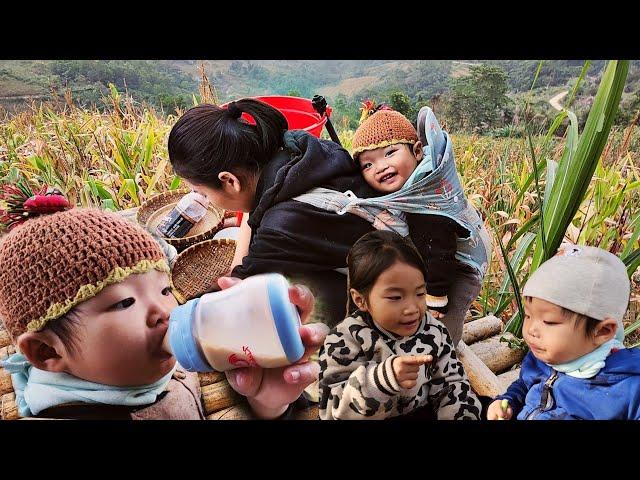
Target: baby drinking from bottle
(85, 295)
(225, 330)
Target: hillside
(167, 84)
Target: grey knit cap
(585, 280)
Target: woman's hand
(270, 391)
(242, 243)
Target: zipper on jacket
(546, 398)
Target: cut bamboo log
(310, 413)
(496, 354)
(6, 351)
(242, 411)
(217, 396)
(508, 377)
(483, 381)
(8, 407)
(209, 378)
(5, 382)
(480, 329)
(5, 339)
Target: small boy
(86, 297)
(577, 366)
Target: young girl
(86, 298)
(422, 197)
(389, 357)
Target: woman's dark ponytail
(209, 139)
(233, 111)
(270, 123)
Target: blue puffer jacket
(541, 393)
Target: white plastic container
(188, 211)
(250, 324)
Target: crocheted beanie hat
(381, 129)
(54, 262)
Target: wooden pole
(218, 396)
(5, 340)
(480, 329)
(483, 381)
(8, 407)
(5, 382)
(496, 354)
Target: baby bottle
(250, 324)
(188, 211)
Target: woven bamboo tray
(219, 400)
(151, 213)
(197, 269)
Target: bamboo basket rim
(184, 260)
(150, 206)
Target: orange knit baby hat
(54, 262)
(381, 129)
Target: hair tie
(233, 110)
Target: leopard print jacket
(357, 380)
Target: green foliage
(568, 181)
(117, 158)
(478, 101)
(629, 110)
(553, 73)
(169, 85)
(508, 131)
(400, 102)
(154, 82)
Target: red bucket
(298, 111)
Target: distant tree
(478, 101)
(171, 102)
(629, 111)
(400, 102)
(345, 111)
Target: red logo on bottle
(249, 361)
(237, 362)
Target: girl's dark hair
(374, 253)
(209, 139)
(66, 328)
